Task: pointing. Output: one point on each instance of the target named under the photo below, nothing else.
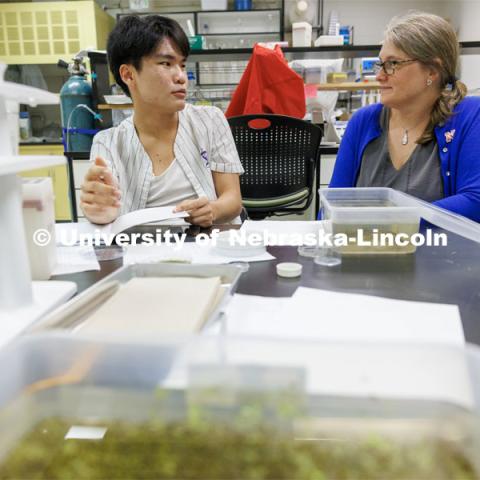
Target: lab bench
(439, 274)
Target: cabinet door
(43, 32)
(80, 169)
(248, 21)
(181, 17)
(58, 174)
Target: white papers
(284, 226)
(332, 316)
(75, 259)
(293, 233)
(355, 345)
(352, 370)
(188, 252)
(343, 370)
(368, 318)
(253, 315)
(68, 234)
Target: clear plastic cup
(327, 257)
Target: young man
(168, 152)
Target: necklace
(405, 134)
(405, 139)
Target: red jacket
(268, 85)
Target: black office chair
(279, 155)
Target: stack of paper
(188, 252)
(332, 316)
(150, 306)
(75, 259)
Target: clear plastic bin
(373, 220)
(314, 75)
(76, 314)
(216, 408)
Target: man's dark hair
(136, 37)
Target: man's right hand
(100, 197)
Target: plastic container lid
(289, 269)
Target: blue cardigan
(458, 146)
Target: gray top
(420, 176)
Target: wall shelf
(347, 86)
(199, 17)
(16, 292)
(299, 53)
(114, 106)
(342, 51)
(21, 163)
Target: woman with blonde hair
(424, 136)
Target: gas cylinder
(76, 105)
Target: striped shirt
(204, 143)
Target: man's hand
(100, 197)
(200, 211)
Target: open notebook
(153, 305)
(141, 217)
(68, 233)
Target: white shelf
(21, 163)
(29, 95)
(16, 300)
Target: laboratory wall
(369, 17)
(466, 15)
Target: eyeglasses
(390, 66)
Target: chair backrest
(278, 153)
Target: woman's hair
(135, 37)
(432, 41)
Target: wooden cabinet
(59, 176)
(44, 32)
